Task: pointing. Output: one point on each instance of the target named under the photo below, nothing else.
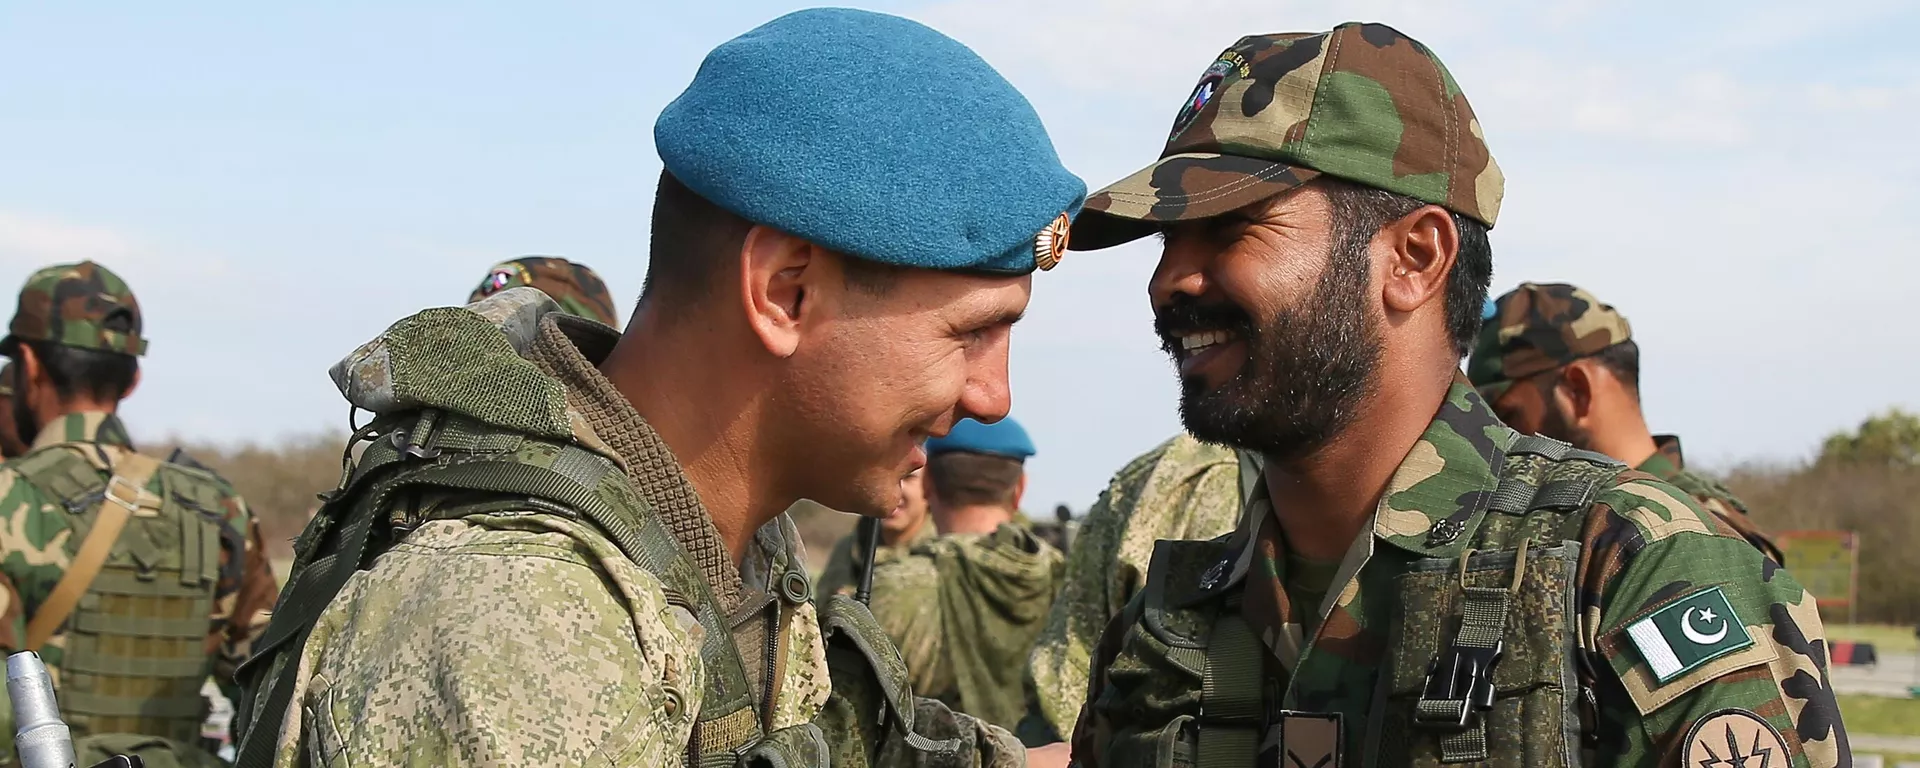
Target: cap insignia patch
(1051, 244)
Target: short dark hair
(1359, 211)
(74, 371)
(959, 478)
(690, 242)
(1623, 359)
(693, 241)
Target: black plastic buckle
(1466, 675)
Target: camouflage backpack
(1462, 682)
(436, 434)
(135, 656)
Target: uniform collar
(102, 427)
(1666, 460)
(1434, 502)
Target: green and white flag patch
(1692, 631)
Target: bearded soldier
(566, 545)
(575, 287)
(1554, 360)
(1413, 582)
(135, 579)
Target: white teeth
(1202, 340)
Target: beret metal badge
(1051, 244)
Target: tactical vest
(430, 450)
(136, 644)
(1485, 662)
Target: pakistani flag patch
(1692, 631)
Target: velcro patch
(1688, 633)
(1678, 647)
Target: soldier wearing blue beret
(1004, 438)
(590, 550)
(965, 607)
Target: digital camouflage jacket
(1515, 603)
(587, 617)
(1182, 489)
(964, 609)
(842, 572)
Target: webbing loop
(1231, 704)
(1459, 683)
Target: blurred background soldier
(11, 446)
(1555, 361)
(964, 607)
(906, 527)
(137, 578)
(1182, 489)
(575, 287)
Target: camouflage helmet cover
(82, 305)
(1539, 327)
(1362, 102)
(575, 287)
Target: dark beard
(1306, 370)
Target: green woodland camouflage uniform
(1539, 327)
(575, 287)
(590, 618)
(964, 609)
(842, 572)
(1608, 550)
(185, 588)
(1570, 611)
(1182, 489)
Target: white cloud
(28, 242)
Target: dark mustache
(1186, 314)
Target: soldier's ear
(1421, 248)
(778, 273)
(32, 375)
(132, 385)
(1576, 389)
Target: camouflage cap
(574, 287)
(1539, 327)
(81, 305)
(1362, 102)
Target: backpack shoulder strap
(428, 450)
(123, 493)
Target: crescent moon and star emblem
(1703, 617)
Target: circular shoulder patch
(1734, 738)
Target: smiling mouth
(1199, 342)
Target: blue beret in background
(876, 137)
(1002, 438)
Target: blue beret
(1002, 438)
(876, 137)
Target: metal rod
(869, 532)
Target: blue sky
(279, 183)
